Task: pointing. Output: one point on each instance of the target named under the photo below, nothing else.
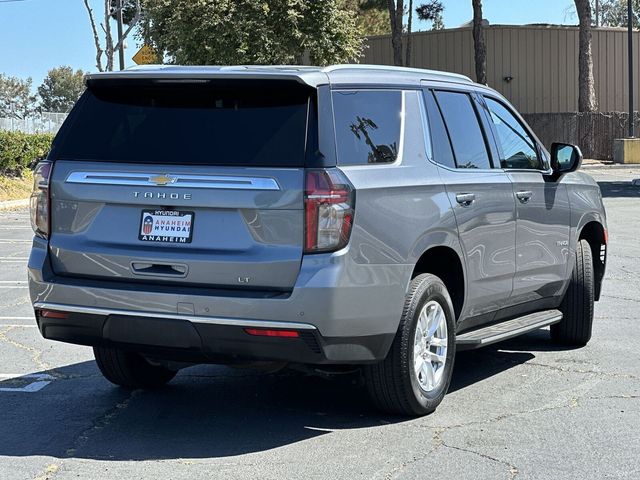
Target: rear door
(542, 234)
(482, 201)
(191, 183)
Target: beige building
(534, 66)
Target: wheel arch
(445, 263)
(595, 234)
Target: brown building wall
(543, 61)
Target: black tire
(130, 369)
(577, 305)
(393, 384)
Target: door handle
(524, 196)
(465, 199)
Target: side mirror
(565, 158)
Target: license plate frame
(167, 226)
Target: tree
(16, 100)
(613, 13)
(252, 31)
(371, 17)
(431, 10)
(587, 101)
(131, 11)
(479, 44)
(61, 89)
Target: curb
(614, 166)
(14, 204)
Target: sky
(37, 35)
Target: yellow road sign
(145, 56)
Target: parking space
(520, 409)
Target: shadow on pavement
(620, 189)
(476, 365)
(207, 411)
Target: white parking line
(14, 241)
(41, 380)
(18, 318)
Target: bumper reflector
(53, 314)
(263, 332)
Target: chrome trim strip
(180, 181)
(237, 322)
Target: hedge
(18, 151)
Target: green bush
(18, 151)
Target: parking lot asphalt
(519, 409)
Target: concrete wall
(543, 61)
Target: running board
(482, 337)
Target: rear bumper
(202, 340)
(349, 311)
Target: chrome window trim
(226, 182)
(239, 322)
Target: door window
(466, 135)
(368, 125)
(442, 152)
(518, 149)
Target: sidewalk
(14, 204)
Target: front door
(543, 213)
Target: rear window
(191, 124)
(367, 125)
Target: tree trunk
(396, 12)
(96, 38)
(407, 62)
(587, 101)
(106, 26)
(479, 44)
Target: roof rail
(390, 68)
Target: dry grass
(16, 188)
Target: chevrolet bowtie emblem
(162, 180)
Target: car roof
(351, 74)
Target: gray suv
(344, 216)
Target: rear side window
(191, 124)
(442, 152)
(466, 135)
(517, 146)
(368, 125)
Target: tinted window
(517, 146)
(466, 136)
(196, 124)
(367, 126)
(442, 152)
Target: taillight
(329, 207)
(40, 199)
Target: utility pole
(630, 52)
(597, 13)
(120, 41)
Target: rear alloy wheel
(415, 376)
(577, 305)
(130, 369)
